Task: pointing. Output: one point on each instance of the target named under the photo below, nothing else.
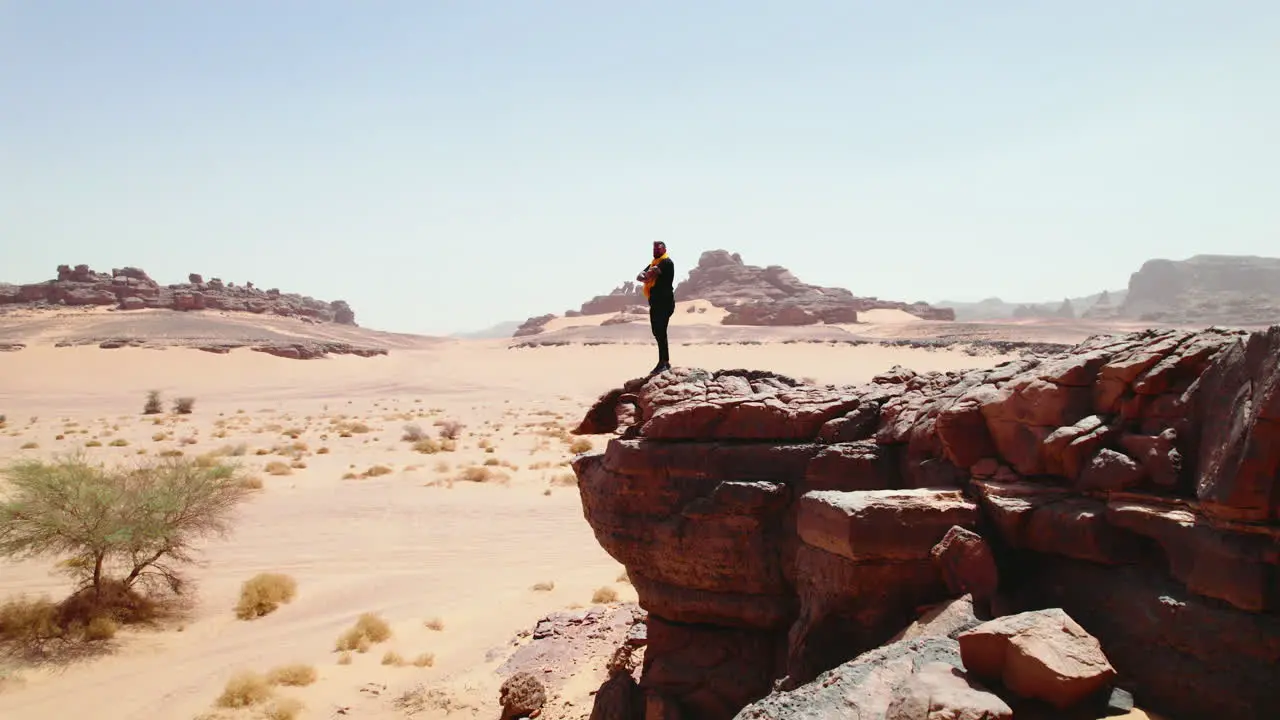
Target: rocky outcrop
(1223, 289)
(773, 296)
(624, 297)
(775, 530)
(533, 325)
(130, 288)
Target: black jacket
(663, 292)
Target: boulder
(940, 691)
(966, 564)
(1040, 655)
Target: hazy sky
(448, 165)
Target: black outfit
(662, 305)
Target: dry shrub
(492, 462)
(100, 628)
(153, 405)
(170, 453)
(369, 629)
(276, 467)
(424, 660)
(350, 476)
(93, 443)
(119, 442)
(544, 586)
(29, 446)
(434, 624)
(565, 480)
(413, 433)
(580, 445)
(295, 675)
(251, 482)
(244, 689)
(298, 465)
(481, 474)
(427, 446)
(25, 621)
(322, 451)
(391, 657)
(344, 658)
(605, 594)
(449, 429)
(264, 593)
(624, 578)
(378, 470)
(285, 708)
(184, 405)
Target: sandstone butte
(751, 294)
(1111, 515)
(132, 289)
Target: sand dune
(410, 544)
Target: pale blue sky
(448, 165)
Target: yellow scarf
(648, 284)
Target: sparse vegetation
(449, 429)
(427, 446)
(29, 446)
(115, 529)
(544, 586)
(425, 660)
(565, 480)
(605, 595)
(153, 406)
(296, 675)
(413, 433)
(119, 442)
(434, 624)
(378, 470)
(284, 708)
(580, 445)
(481, 474)
(263, 593)
(184, 405)
(276, 467)
(245, 689)
(391, 657)
(369, 630)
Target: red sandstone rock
(944, 620)
(967, 564)
(882, 524)
(938, 691)
(1041, 655)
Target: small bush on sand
(434, 624)
(427, 446)
(296, 675)
(245, 689)
(29, 446)
(413, 433)
(263, 593)
(276, 467)
(580, 445)
(565, 480)
(119, 442)
(344, 658)
(377, 471)
(481, 474)
(100, 628)
(184, 405)
(449, 429)
(153, 406)
(624, 578)
(605, 594)
(544, 586)
(425, 660)
(369, 629)
(391, 657)
(115, 529)
(284, 708)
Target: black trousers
(659, 319)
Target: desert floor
(413, 544)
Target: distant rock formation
(1206, 289)
(623, 297)
(771, 295)
(130, 288)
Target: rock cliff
(779, 533)
(132, 289)
(1223, 289)
(774, 296)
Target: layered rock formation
(132, 289)
(775, 530)
(1222, 289)
(773, 296)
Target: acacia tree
(128, 525)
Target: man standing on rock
(659, 278)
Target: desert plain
(429, 486)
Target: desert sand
(413, 544)
(362, 521)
